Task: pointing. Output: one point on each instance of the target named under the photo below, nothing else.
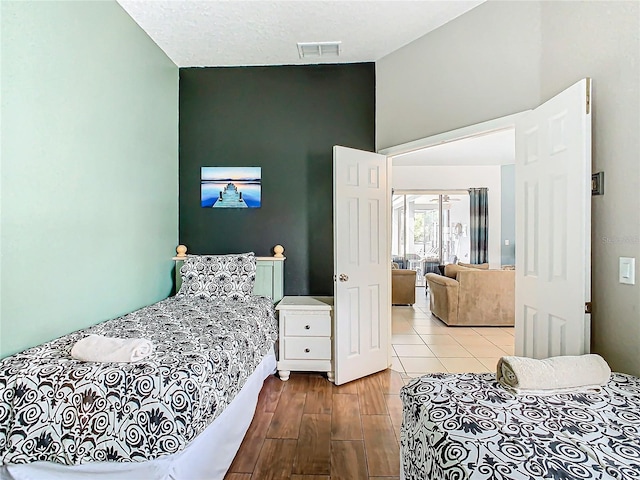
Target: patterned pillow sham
(218, 276)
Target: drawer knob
(307, 350)
(307, 327)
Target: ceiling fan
(446, 199)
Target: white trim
(482, 128)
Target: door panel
(553, 226)
(362, 319)
(531, 225)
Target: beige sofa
(473, 296)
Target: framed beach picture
(230, 187)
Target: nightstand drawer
(307, 348)
(306, 325)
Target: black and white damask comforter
(469, 427)
(58, 409)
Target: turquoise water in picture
(210, 191)
(247, 181)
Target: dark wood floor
(309, 429)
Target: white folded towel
(97, 348)
(554, 374)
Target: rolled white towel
(553, 375)
(97, 348)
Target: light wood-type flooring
(309, 429)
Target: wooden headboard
(269, 273)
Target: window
(418, 241)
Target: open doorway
(439, 169)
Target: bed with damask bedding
(468, 426)
(179, 413)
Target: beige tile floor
(423, 344)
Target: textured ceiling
(238, 32)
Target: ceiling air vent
(319, 49)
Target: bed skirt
(207, 457)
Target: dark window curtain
(479, 221)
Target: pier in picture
(230, 187)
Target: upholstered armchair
(403, 287)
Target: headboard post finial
(277, 250)
(182, 251)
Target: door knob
(344, 277)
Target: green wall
(89, 169)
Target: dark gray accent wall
(508, 214)
(285, 119)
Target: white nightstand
(305, 335)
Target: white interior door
(553, 226)
(362, 267)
